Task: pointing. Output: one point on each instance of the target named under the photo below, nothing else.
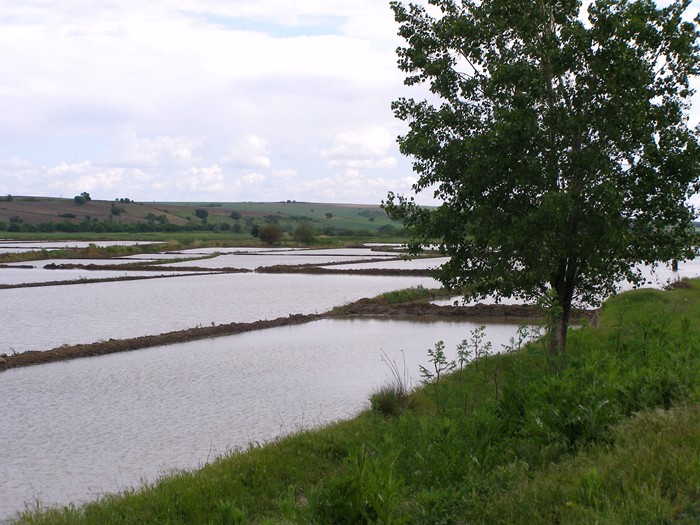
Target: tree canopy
(555, 139)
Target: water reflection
(76, 429)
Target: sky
(214, 100)
(206, 101)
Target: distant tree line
(269, 230)
(154, 224)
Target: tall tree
(556, 141)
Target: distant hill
(49, 213)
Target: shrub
(304, 233)
(389, 400)
(270, 234)
(394, 398)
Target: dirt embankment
(141, 267)
(119, 267)
(145, 267)
(66, 352)
(376, 307)
(320, 270)
(379, 308)
(93, 280)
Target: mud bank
(379, 308)
(140, 267)
(112, 346)
(362, 308)
(143, 267)
(318, 270)
(88, 280)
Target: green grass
(350, 215)
(195, 236)
(611, 437)
(208, 238)
(650, 475)
(416, 293)
(354, 217)
(349, 221)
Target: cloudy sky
(221, 100)
(214, 100)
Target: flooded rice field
(18, 276)
(8, 246)
(76, 429)
(96, 262)
(47, 317)
(396, 264)
(253, 261)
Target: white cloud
(16, 163)
(287, 174)
(250, 151)
(172, 99)
(178, 100)
(253, 178)
(128, 149)
(384, 162)
(362, 150)
(205, 180)
(371, 142)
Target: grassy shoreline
(609, 433)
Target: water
(71, 431)
(234, 249)
(46, 317)
(254, 258)
(39, 275)
(396, 264)
(656, 278)
(95, 262)
(253, 261)
(9, 246)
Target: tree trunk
(561, 311)
(560, 327)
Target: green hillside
(49, 214)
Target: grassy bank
(608, 434)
